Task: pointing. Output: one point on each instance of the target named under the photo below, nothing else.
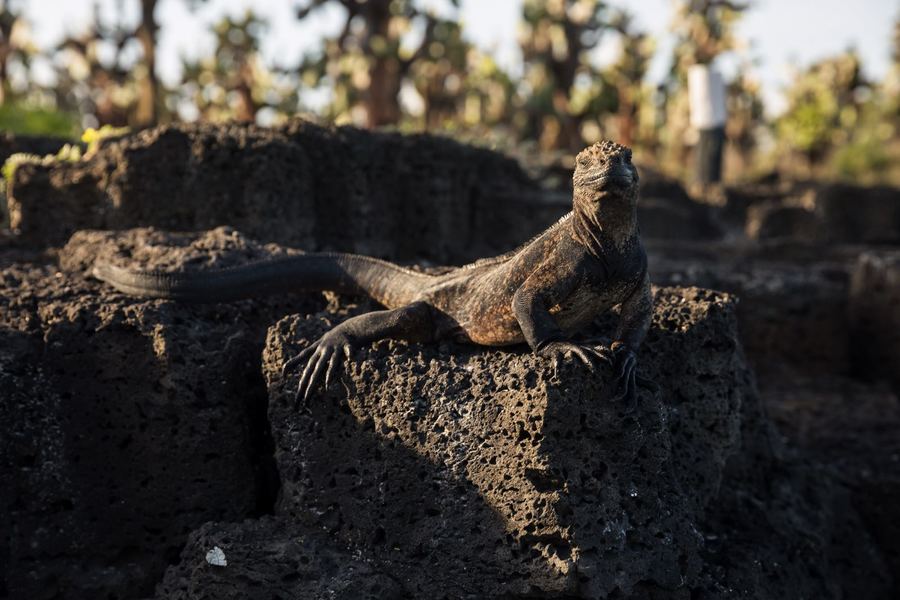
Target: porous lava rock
(125, 424)
(851, 426)
(423, 471)
(273, 558)
(666, 211)
(317, 188)
(791, 313)
(774, 220)
(311, 187)
(815, 212)
(875, 315)
(858, 214)
(474, 473)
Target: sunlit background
(813, 86)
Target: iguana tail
(389, 284)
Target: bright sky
(784, 34)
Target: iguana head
(605, 169)
(605, 192)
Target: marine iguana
(542, 293)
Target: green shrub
(23, 119)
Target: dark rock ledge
(422, 472)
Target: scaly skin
(542, 293)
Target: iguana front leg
(547, 339)
(412, 322)
(530, 306)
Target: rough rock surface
(875, 316)
(382, 194)
(273, 558)
(302, 185)
(776, 220)
(124, 425)
(817, 213)
(666, 211)
(478, 473)
(858, 214)
(791, 312)
(426, 470)
(11, 143)
(108, 405)
(851, 426)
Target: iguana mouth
(616, 177)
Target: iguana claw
(624, 366)
(627, 380)
(584, 352)
(322, 356)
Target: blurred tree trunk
(564, 70)
(7, 20)
(247, 107)
(382, 98)
(627, 115)
(566, 92)
(628, 74)
(371, 36)
(147, 111)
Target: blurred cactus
(16, 50)
(892, 81)
(24, 106)
(234, 83)
(367, 64)
(746, 117)
(627, 76)
(565, 95)
(147, 110)
(92, 76)
(440, 74)
(98, 75)
(824, 104)
(461, 88)
(705, 29)
(399, 63)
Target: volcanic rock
(125, 424)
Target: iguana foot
(585, 352)
(321, 357)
